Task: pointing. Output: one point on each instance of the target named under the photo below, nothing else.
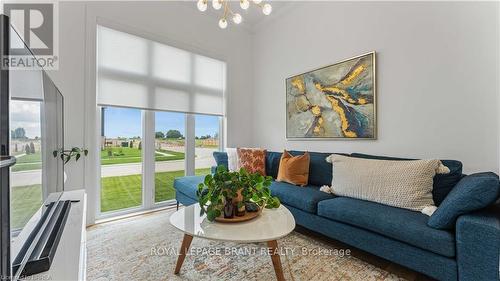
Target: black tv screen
(35, 122)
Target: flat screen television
(31, 129)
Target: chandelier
(228, 13)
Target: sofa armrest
(478, 245)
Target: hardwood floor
(391, 267)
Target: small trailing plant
(225, 185)
(67, 154)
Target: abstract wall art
(333, 102)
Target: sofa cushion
(403, 184)
(320, 171)
(304, 198)
(252, 159)
(472, 193)
(400, 224)
(443, 183)
(188, 185)
(221, 158)
(294, 169)
(272, 163)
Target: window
(121, 159)
(26, 175)
(170, 155)
(180, 96)
(207, 132)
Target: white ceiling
(251, 17)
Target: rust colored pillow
(252, 159)
(294, 169)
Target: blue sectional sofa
(469, 250)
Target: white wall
(70, 80)
(177, 22)
(437, 70)
(437, 67)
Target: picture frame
(334, 102)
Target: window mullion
(148, 125)
(222, 136)
(148, 158)
(189, 144)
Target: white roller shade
(140, 73)
(25, 84)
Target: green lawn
(30, 158)
(123, 155)
(125, 191)
(25, 201)
(26, 167)
(28, 162)
(116, 193)
(120, 155)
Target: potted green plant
(219, 190)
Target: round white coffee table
(269, 226)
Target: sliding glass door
(161, 117)
(121, 159)
(143, 151)
(170, 158)
(207, 136)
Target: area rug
(145, 248)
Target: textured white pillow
(232, 159)
(403, 184)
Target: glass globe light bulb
(202, 5)
(237, 18)
(217, 4)
(257, 1)
(244, 4)
(223, 23)
(267, 9)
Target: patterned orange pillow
(253, 160)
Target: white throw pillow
(232, 159)
(403, 184)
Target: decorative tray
(246, 217)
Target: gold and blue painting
(336, 101)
